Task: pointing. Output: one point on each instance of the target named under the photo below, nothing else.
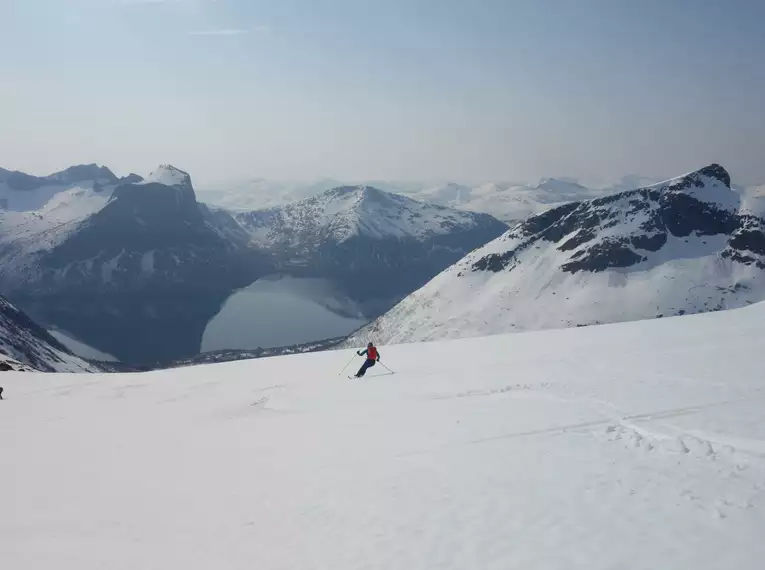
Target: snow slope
(39, 213)
(24, 233)
(687, 245)
(637, 445)
(22, 192)
(81, 349)
(168, 175)
(348, 211)
(25, 342)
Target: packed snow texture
(528, 280)
(637, 445)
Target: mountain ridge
(138, 268)
(24, 342)
(689, 244)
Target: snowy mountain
(24, 345)
(629, 446)
(507, 201)
(375, 246)
(22, 192)
(169, 175)
(687, 245)
(136, 274)
(346, 212)
(514, 203)
(136, 268)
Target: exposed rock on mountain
(25, 346)
(687, 245)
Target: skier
(373, 356)
(1, 392)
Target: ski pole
(386, 368)
(346, 366)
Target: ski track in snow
(637, 445)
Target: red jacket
(371, 352)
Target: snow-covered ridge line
(348, 211)
(168, 175)
(688, 245)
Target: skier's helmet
(370, 345)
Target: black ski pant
(368, 363)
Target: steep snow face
(24, 233)
(79, 348)
(687, 245)
(342, 213)
(21, 192)
(632, 446)
(168, 175)
(25, 342)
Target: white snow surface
(47, 196)
(169, 176)
(79, 348)
(27, 232)
(637, 445)
(344, 212)
(687, 274)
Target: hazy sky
(396, 89)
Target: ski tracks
(725, 475)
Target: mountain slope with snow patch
(136, 272)
(688, 245)
(349, 211)
(168, 175)
(374, 246)
(25, 342)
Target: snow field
(637, 445)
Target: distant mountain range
(137, 267)
(688, 245)
(506, 201)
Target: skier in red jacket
(373, 356)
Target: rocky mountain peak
(169, 175)
(687, 245)
(83, 172)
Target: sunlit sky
(384, 89)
